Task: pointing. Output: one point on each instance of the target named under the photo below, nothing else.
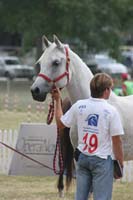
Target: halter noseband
(66, 73)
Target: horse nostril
(36, 91)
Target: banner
(36, 141)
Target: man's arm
(117, 148)
(58, 114)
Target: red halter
(66, 73)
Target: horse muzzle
(37, 94)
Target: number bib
(90, 142)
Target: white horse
(61, 66)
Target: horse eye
(56, 62)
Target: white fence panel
(8, 137)
(128, 171)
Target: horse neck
(79, 85)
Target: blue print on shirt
(92, 119)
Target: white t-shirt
(97, 122)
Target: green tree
(96, 23)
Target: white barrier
(128, 171)
(9, 137)
(38, 142)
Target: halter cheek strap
(66, 73)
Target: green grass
(19, 98)
(30, 188)
(44, 188)
(12, 120)
(123, 191)
(16, 111)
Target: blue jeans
(94, 172)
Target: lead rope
(58, 151)
(50, 112)
(58, 143)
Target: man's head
(124, 76)
(101, 85)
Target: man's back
(97, 122)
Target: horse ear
(45, 42)
(57, 42)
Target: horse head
(54, 68)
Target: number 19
(91, 143)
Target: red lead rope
(58, 151)
(24, 155)
(50, 112)
(58, 143)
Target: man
(127, 85)
(99, 126)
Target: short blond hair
(99, 83)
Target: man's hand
(56, 93)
